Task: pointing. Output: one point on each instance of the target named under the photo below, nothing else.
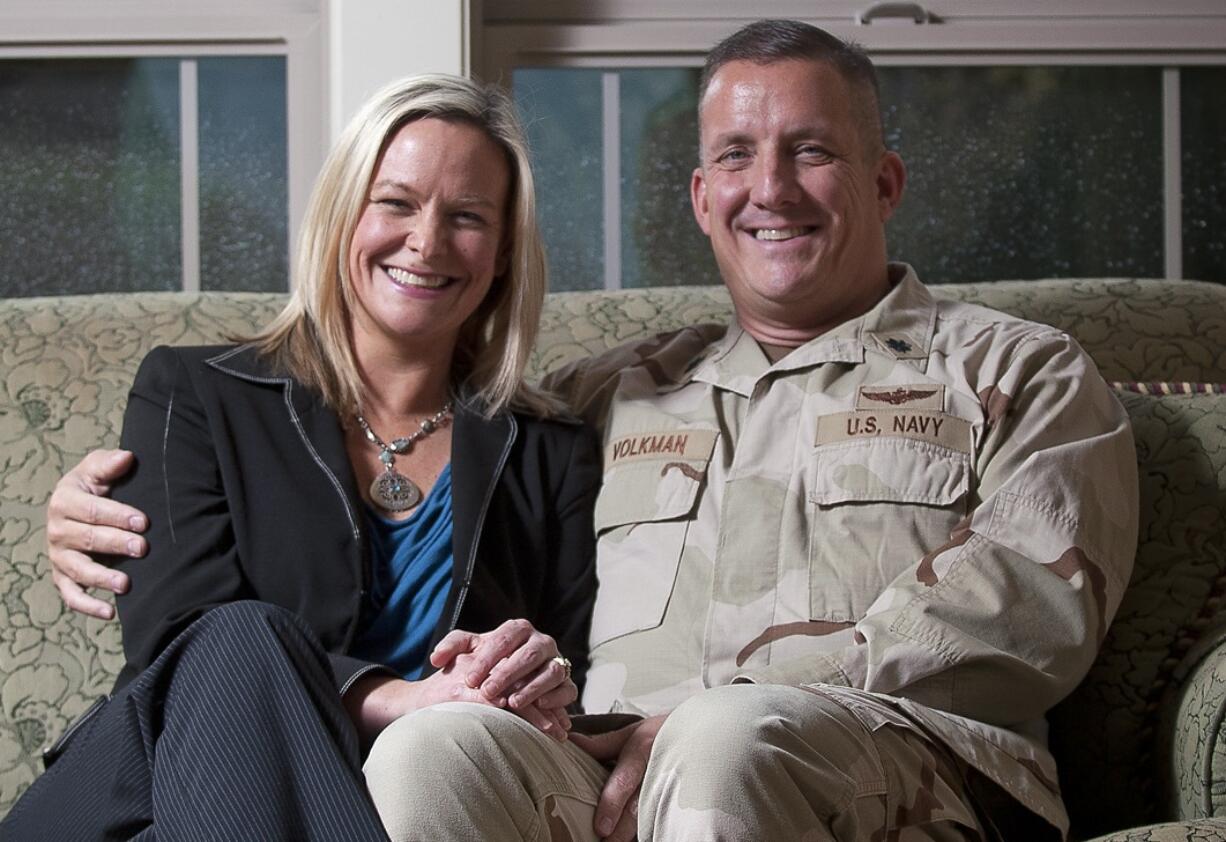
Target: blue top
(410, 579)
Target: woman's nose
(425, 235)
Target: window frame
(646, 33)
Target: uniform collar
(733, 363)
(902, 324)
(899, 326)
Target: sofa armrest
(1196, 736)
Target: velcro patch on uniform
(921, 425)
(673, 445)
(919, 396)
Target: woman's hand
(517, 666)
(81, 521)
(377, 699)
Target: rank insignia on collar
(900, 346)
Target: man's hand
(81, 521)
(617, 813)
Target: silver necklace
(392, 490)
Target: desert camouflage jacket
(934, 502)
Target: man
(851, 548)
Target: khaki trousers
(740, 763)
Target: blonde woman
(359, 513)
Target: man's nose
(774, 182)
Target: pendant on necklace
(394, 492)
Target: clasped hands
(514, 666)
(511, 667)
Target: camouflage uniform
(911, 533)
(934, 503)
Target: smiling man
(851, 547)
(898, 528)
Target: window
(150, 147)
(143, 173)
(1042, 139)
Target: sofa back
(67, 364)
(1136, 330)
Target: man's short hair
(769, 41)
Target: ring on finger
(564, 663)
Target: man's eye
(734, 156)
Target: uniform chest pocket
(876, 508)
(642, 516)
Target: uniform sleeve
(585, 387)
(572, 550)
(1003, 620)
(588, 385)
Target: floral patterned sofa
(1141, 741)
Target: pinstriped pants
(235, 732)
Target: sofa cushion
(1205, 830)
(66, 365)
(1194, 733)
(1104, 734)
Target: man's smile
(776, 234)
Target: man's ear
(698, 200)
(891, 181)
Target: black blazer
(250, 495)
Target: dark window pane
(1203, 111)
(561, 110)
(661, 242)
(1027, 172)
(1015, 172)
(243, 172)
(90, 178)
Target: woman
(373, 465)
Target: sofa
(1141, 742)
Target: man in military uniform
(851, 547)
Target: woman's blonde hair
(311, 337)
